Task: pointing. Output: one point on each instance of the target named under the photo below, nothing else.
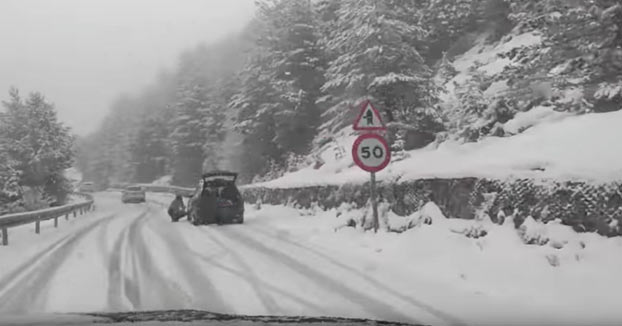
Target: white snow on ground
(575, 147)
(490, 280)
(537, 115)
(484, 58)
(284, 261)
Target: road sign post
(372, 198)
(370, 151)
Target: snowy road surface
(131, 257)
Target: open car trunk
(220, 200)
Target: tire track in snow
(118, 283)
(261, 284)
(377, 307)
(204, 291)
(154, 283)
(28, 293)
(251, 278)
(26, 266)
(375, 283)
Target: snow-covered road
(130, 257)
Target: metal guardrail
(17, 219)
(186, 192)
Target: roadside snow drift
(561, 147)
(469, 271)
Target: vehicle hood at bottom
(179, 317)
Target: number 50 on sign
(371, 152)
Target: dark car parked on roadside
(217, 200)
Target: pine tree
(447, 20)
(36, 144)
(188, 133)
(472, 105)
(149, 151)
(10, 192)
(446, 70)
(580, 48)
(299, 71)
(277, 110)
(377, 56)
(213, 117)
(255, 119)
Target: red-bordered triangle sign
(368, 118)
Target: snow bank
(537, 115)
(485, 58)
(497, 275)
(487, 55)
(566, 148)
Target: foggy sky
(81, 54)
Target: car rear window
(133, 188)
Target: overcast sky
(81, 54)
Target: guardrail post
(5, 237)
(74, 213)
(67, 216)
(37, 226)
(56, 222)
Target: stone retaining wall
(584, 206)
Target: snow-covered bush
(533, 232)
(397, 148)
(429, 213)
(475, 231)
(524, 120)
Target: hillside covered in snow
(499, 121)
(465, 87)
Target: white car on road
(133, 194)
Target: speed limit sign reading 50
(371, 152)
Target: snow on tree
(375, 45)
(187, 135)
(149, 150)
(37, 147)
(10, 191)
(581, 47)
(467, 116)
(277, 110)
(446, 21)
(446, 70)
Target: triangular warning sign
(369, 118)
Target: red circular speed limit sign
(371, 152)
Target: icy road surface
(131, 257)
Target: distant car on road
(217, 200)
(133, 194)
(87, 187)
